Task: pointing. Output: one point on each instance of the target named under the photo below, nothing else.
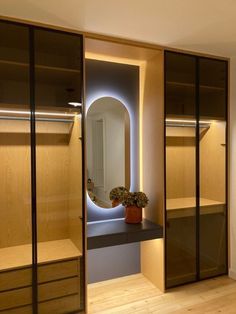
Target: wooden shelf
(38, 66)
(14, 63)
(56, 69)
(185, 207)
(191, 85)
(44, 73)
(116, 232)
(21, 256)
(183, 131)
(180, 84)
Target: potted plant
(117, 195)
(134, 202)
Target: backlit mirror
(108, 149)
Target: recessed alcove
(126, 73)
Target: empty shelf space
(185, 207)
(21, 255)
(109, 233)
(42, 127)
(176, 131)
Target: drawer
(59, 288)
(15, 279)
(15, 298)
(52, 271)
(19, 310)
(69, 304)
(58, 270)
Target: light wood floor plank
(135, 294)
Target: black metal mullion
(226, 166)
(83, 291)
(33, 174)
(165, 164)
(197, 113)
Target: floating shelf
(43, 73)
(191, 85)
(117, 232)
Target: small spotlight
(75, 104)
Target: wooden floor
(135, 294)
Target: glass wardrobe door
(212, 109)
(15, 171)
(180, 95)
(58, 85)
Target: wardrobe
(52, 214)
(195, 167)
(41, 171)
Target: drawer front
(59, 288)
(19, 310)
(15, 298)
(15, 279)
(64, 305)
(58, 270)
(52, 271)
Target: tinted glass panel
(212, 74)
(180, 85)
(212, 81)
(180, 169)
(15, 171)
(59, 171)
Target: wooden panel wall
(52, 186)
(58, 183)
(152, 252)
(153, 138)
(180, 167)
(180, 163)
(15, 192)
(212, 162)
(75, 185)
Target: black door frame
(31, 47)
(197, 158)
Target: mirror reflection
(108, 149)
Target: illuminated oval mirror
(108, 149)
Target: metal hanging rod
(188, 125)
(37, 119)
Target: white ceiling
(199, 25)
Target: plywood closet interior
(151, 138)
(180, 156)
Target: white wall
(203, 25)
(232, 167)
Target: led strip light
(190, 121)
(38, 113)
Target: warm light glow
(74, 104)
(191, 121)
(141, 103)
(91, 98)
(39, 113)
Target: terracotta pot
(115, 202)
(133, 214)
